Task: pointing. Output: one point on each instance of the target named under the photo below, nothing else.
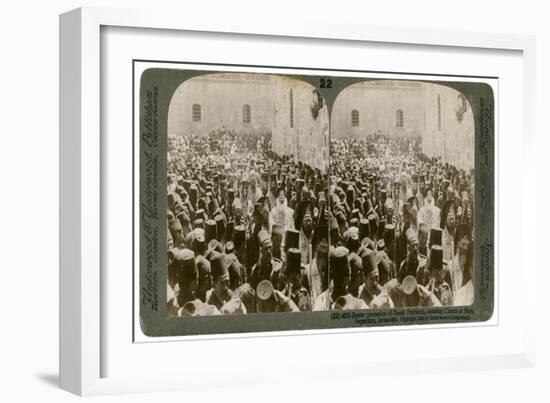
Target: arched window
(291, 96)
(355, 118)
(196, 113)
(246, 113)
(399, 118)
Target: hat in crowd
(363, 228)
(353, 242)
(461, 231)
(435, 236)
(350, 194)
(370, 265)
(229, 230)
(219, 265)
(354, 222)
(220, 226)
(319, 233)
(212, 207)
(373, 225)
(210, 230)
(239, 237)
(339, 265)
(258, 209)
(389, 234)
(174, 225)
(198, 244)
(187, 269)
(293, 261)
(381, 228)
(292, 239)
(199, 213)
(203, 266)
(264, 290)
(436, 258)
(341, 217)
(411, 236)
(408, 285)
(202, 205)
(198, 223)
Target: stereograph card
(268, 198)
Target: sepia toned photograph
(311, 202)
(247, 195)
(402, 168)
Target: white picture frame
(83, 303)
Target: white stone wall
(455, 141)
(377, 103)
(307, 140)
(223, 95)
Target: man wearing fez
(413, 262)
(267, 267)
(371, 292)
(220, 293)
(337, 296)
(187, 300)
(439, 283)
(228, 204)
(448, 221)
(297, 285)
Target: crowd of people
(251, 231)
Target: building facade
(291, 110)
(439, 116)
